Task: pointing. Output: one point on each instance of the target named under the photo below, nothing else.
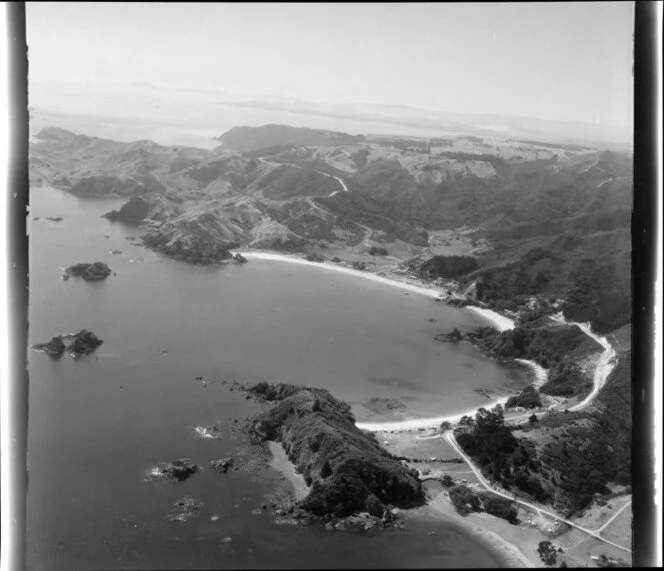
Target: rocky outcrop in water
(185, 507)
(222, 466)
(179, 470)
(76, 344)
(55, 347)
(346, 469)
(240, 258)
(90, 272)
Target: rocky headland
(347, 470)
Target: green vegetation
(589, 449)
(552, 347)
(358, 265)
(566, 380)
(447, 481)
(378, 251)
(466, 501)
(359, 157)
(447, 267)
(501, 457)
(547, 553)
(314, 257)
(527, 398)
(494, 160)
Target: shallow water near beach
(98, 425)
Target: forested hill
(554, 219)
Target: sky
(561, 61)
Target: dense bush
(313, 257)
(447, 266)
(547, 552)
(358, 265)
(528, 398)
(377, 251)
(447, 481)
(499, 507)
(499, 454)
(464, 500)
(566, 380)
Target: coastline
(512, 543)
(411, 287)
(497, 320)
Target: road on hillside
(449, 437)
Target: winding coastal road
(605, 365)
(449, 437)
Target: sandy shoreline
(282, 464)
(499, 321)
(514, 544)
(421, 289)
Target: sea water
(98, 426)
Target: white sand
(500, 322)
(541, 374)
(430, 292)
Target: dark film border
(644, 235)
(644, 266)
(17, 284)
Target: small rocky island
(75, 344)
(90, 272)
(179, 470)
(347, 470)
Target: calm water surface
(96, 425)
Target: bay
(97, 425)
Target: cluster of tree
(466, 501)
(501, 456)
(359, 157)
(527, 398)
(566, 380)
(358, 265)
(314, 257)
(447, 266)
(547, 346)
(378, 251)
(606, 312)
(441, 143)
(494, 160)
(587, 455)
(563, 146)
(407, 145)
(547, 552)
(508, 283)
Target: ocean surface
(97, 425)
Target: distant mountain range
(200, 106)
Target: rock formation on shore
(90, 271)
(346, 468)
(76, 344)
